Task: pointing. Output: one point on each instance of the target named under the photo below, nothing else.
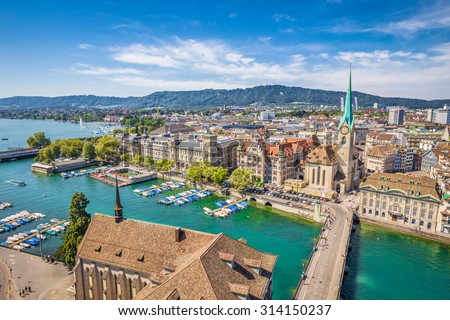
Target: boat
(208, 211)
(18, 182)
(5, 138)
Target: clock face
(344, 130)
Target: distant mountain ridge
(264, 95)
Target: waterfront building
(336, 167)
(410, 201)
(185, 152)
(396, 116)
(123, 259)
(276, 162)
(173, 128)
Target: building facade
(396, 116)
(400, 198)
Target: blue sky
(133, 48)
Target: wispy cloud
(232, 15)
(278, 17)
(431, 18)
(188, 64)
(84, 46)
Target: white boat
(207, 211)
(54, 220)
(18, 236)
(25, 245)
(13, 239)
(41, 236)
(18, 247)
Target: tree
(164, 165)
(108, 148)
(219, 175)
(243, 178)
(38, 140)
(149, 162)
(195, 172)
(138, 159)
(88, 151)
(79, 223)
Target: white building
(442, 116)
(267, 115)
(396, 116)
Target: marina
(185, 197)
(4, 205)
(226, 207)
(34, 238)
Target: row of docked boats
(16, 220)
(185, 197)
(5, 205)
(81, 173)
(33, 237)
(154, 190)
(226, 207)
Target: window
(384, 205)
(429, 224)
(430, 215)
(414, 212)
(383, 214)
(364, 210)
(371, 203)
(413, 221)
(406, 219)
(421, 223)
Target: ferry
(17, 182)
(5, 138)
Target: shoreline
(406, 231)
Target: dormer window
(228, 258)
(255, 265)
(240, 290)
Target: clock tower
(345, 147)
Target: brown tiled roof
(199, 271)
(381, 151)
(412, 186)
(322, 155)
(208, 275)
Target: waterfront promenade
(323, 276)
(49, 281)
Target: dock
(324, 272)
(226, 206)
(9, 222)
(36, 233)
(173, 200)
(16, 154)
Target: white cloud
(101, 71)
(192, 64)
(84, 46)
(278, 17)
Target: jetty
(62, 222)
(25, 214)
(16, 154)
(324, 272)
(170, 201)
(4, 205)
(233, 203)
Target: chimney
(177, 234)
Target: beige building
(407, 200)
(381, 158)
(123, 259)
(185, 152)
(276, 162)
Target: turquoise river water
(383, 264)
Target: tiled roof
(410, 185)
(381, 151)
(322, 155)
(192, 268)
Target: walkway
(325, 270)
(47, 280)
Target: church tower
(118, 209)
(345, 146)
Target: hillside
(265, 95)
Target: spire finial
(118, 212)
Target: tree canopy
(89, 151)
(243, 178)
(108, 148)
(205, 171)
(79, 223)
(38, 140)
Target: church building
(336, 167)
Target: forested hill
(265, 95)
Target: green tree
(38, 140)
(138, 159)
(219, 175)
(125, 157)
(88, 151)
(164, 165)
(243, 178)
(195, 172)
(108, 148)
(149, 162)
(79, 223)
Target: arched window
(344, 140)
(429, 224)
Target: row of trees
(106, 148)
(206, 172)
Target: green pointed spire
(347, 116)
